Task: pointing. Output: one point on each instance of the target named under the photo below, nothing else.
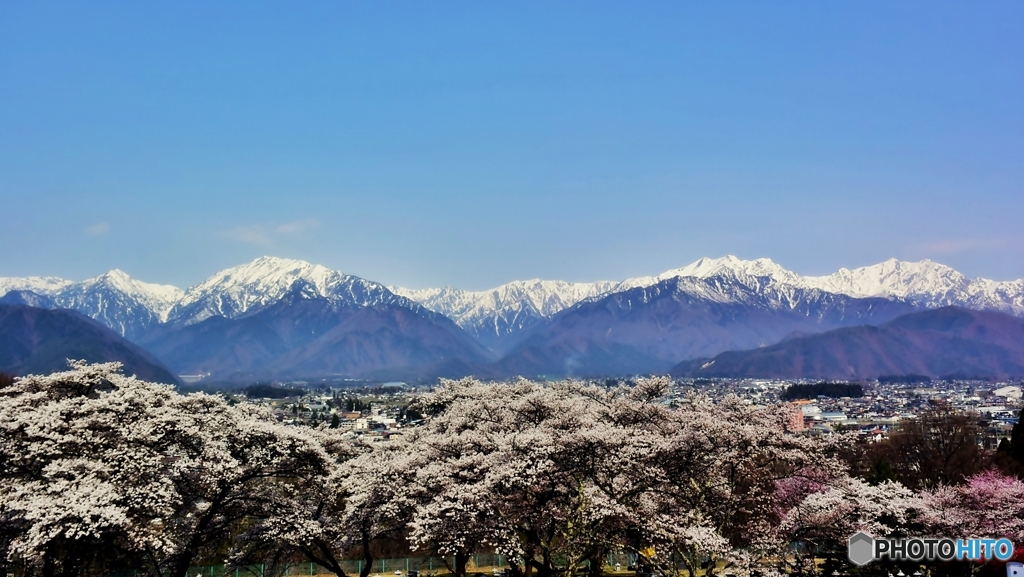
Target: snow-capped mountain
(122, 303)
(728, 266)
(126, 305)
(253, 286)
(652, 321)
(496, 314)
(925, 283)
(492, 314)
(643, 329)
(42, 285)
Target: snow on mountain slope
(924, 283)
(124, 304)
(894, 278)
(491, 314)
(158, 298)
(255, 285)
(511, 307)
(728, 266)
(129, 306)
(43, 285)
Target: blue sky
(475, 143)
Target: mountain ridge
(515, 304)
(640, 324)
(35, 340)
(941, 342)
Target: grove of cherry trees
(101, 471)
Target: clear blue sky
(431, 143)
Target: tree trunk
(516, 570)
(367, 558)
(324, 558)
(543, 568)
(49, 568)
(461, 559)
(180, 567)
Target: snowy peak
(42, 285)
(894, 278)
(117, 300)
(925, 283)
(269, 274)
(131, 306)
(258, 284)
(728, 266)
(157, 298)
(544, 296)
(497, 312)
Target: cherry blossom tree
(99, 470)
(832, 510)
(717, 467)
(93, 462)
(376, 486)
(989, 504)
(558, 475)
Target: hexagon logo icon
(861, 549)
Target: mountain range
(282, 318)
(949, 342)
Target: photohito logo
(864, 548)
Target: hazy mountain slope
(28, 298)
(938, 342)
(387, 342)
(39, 341)
(649, 329)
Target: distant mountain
(496, 316)
(305, 334)
(40, 341)
(726, 267)
(651, 328)
(126, 305)
(639, 324)
(29, 298)
(924, 283)
(43, 285)
(249, 288)
(940, 342)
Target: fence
(484, 563)
(380, 567)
